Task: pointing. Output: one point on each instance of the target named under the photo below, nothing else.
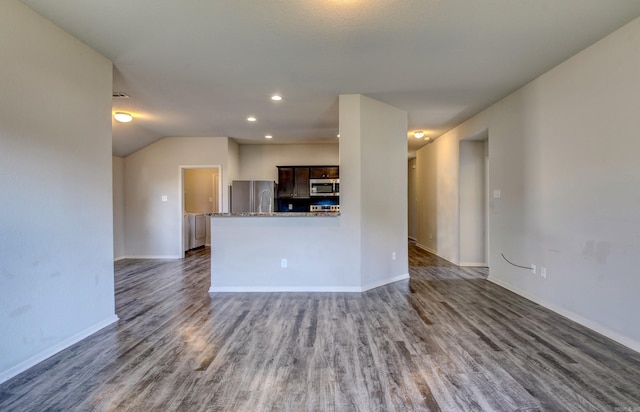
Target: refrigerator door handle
(252, 197)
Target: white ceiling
(200, 67)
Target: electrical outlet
(283, 263)
(164, 198)
(393, 255)
(543, 272)
(533, 269)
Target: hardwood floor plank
(446, 340)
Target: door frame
(181, 170)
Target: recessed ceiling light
(268, 136)
(251, 119)
(123, 117)
(276, 97)
(338, 136)
(418, 134)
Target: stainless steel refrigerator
(252, 196)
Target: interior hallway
(446, 340)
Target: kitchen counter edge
(276, 214)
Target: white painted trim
(588, 323)
(171, 257)
(423, 247)
(34, 360)
(268, 289)
(340, 289)
(119, 258)
(473, 264)
(181, 169)
(385, 282)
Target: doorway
(473, 204)
(201, 194)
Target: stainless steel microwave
(324, 187)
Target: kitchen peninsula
(282, 251)
(361, 247)
(275, 214)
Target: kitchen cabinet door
(332, 172)
(302, 188)
(286, 188)
(327, 172)
(293, 182)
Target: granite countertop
(276, 214)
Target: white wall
(233, 168)
(472, 203)
(427, 161)
(329, 253)
(118, 208)
(412, 199)
(153, 227)
(56, 248)
(258, 162)
(247, 251)
(563, 151)
(383, 181)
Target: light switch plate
(497, 194)
(164, 198)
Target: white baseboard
(473, 264)
(271, 289)
(423, 247)
(119, 258)
(588, 323)
(268, 289)
(171, 257)
(384, 282)
(34, 360)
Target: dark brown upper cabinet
(325, 172)
(293, 182)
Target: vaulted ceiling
(201, 67)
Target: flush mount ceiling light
(123, 117)
(418, 134)
(276, 97)
(251, 119)
(268, 136)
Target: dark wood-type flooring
(447, 340)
